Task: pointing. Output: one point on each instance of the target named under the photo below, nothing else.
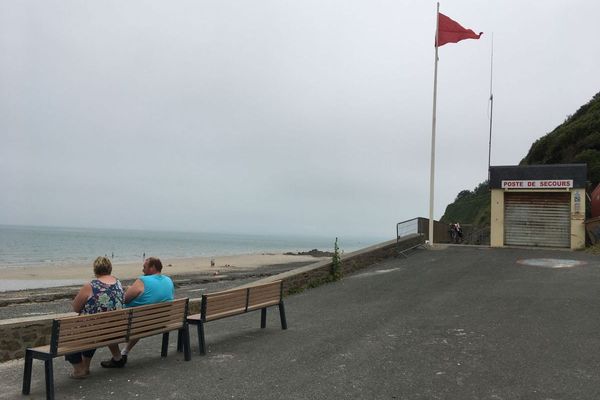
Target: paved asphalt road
(460, 323)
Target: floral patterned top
(104, 297)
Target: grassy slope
(577, 140)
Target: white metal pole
(433, 121)
(491, 107)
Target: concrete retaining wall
(19, 333)
(318, 273)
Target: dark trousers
(75, 358)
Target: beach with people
(52, 275)
(46, 257)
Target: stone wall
(19, 333)
(319, 273)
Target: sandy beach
(173, 266)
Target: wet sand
(16, 278)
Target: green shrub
(336, 263)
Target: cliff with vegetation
(577, 140)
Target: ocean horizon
(44, 245)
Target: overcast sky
(306, 117)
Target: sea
(39, 246)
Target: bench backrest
(157, 318)
(72, 334)
(265, 295)
(238, 301)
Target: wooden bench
(86, 332)
(232, 302)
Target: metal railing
(441, 232)
(408, 227)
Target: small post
(263, 318)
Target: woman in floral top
(104, 293)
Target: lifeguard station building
(538, 205)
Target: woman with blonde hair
(105, 293)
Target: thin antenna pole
(433, 121)
(491, 106)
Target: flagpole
(491, 107)
(433, 122)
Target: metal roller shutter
(537, 219)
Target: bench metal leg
(263, 318)
(49, 379)
(27, 372)
(282, 315)
(180, 340)
(201, 342)
(165, 345)
(185, 334)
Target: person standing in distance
(150, 288)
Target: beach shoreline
(52, 275)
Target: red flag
(450, 31)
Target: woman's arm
(84, 294)
(134, 291)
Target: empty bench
(232, 302)
(92, 331)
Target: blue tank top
(157, 288)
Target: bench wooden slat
(261, 295)
(194, 317)
(92, 341)
(150, 320)
(81, 329)
(210, 317)
(149, 324)
(42, 349)
(87, 346)
(215, 307)
(260, 300)
(65, 321)
(160, 307)
(229, 295)
(220, 303)
(92, 320)
(263, 305)
(254, 297)
(230, 302)
(224, 292)
(137, 318)
(156, 306)
(266, 287)
(273, 292)
(160, 329)
(238, 294)
(163, 310)
(164, 321)
(88, 333)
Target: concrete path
(459, 323)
